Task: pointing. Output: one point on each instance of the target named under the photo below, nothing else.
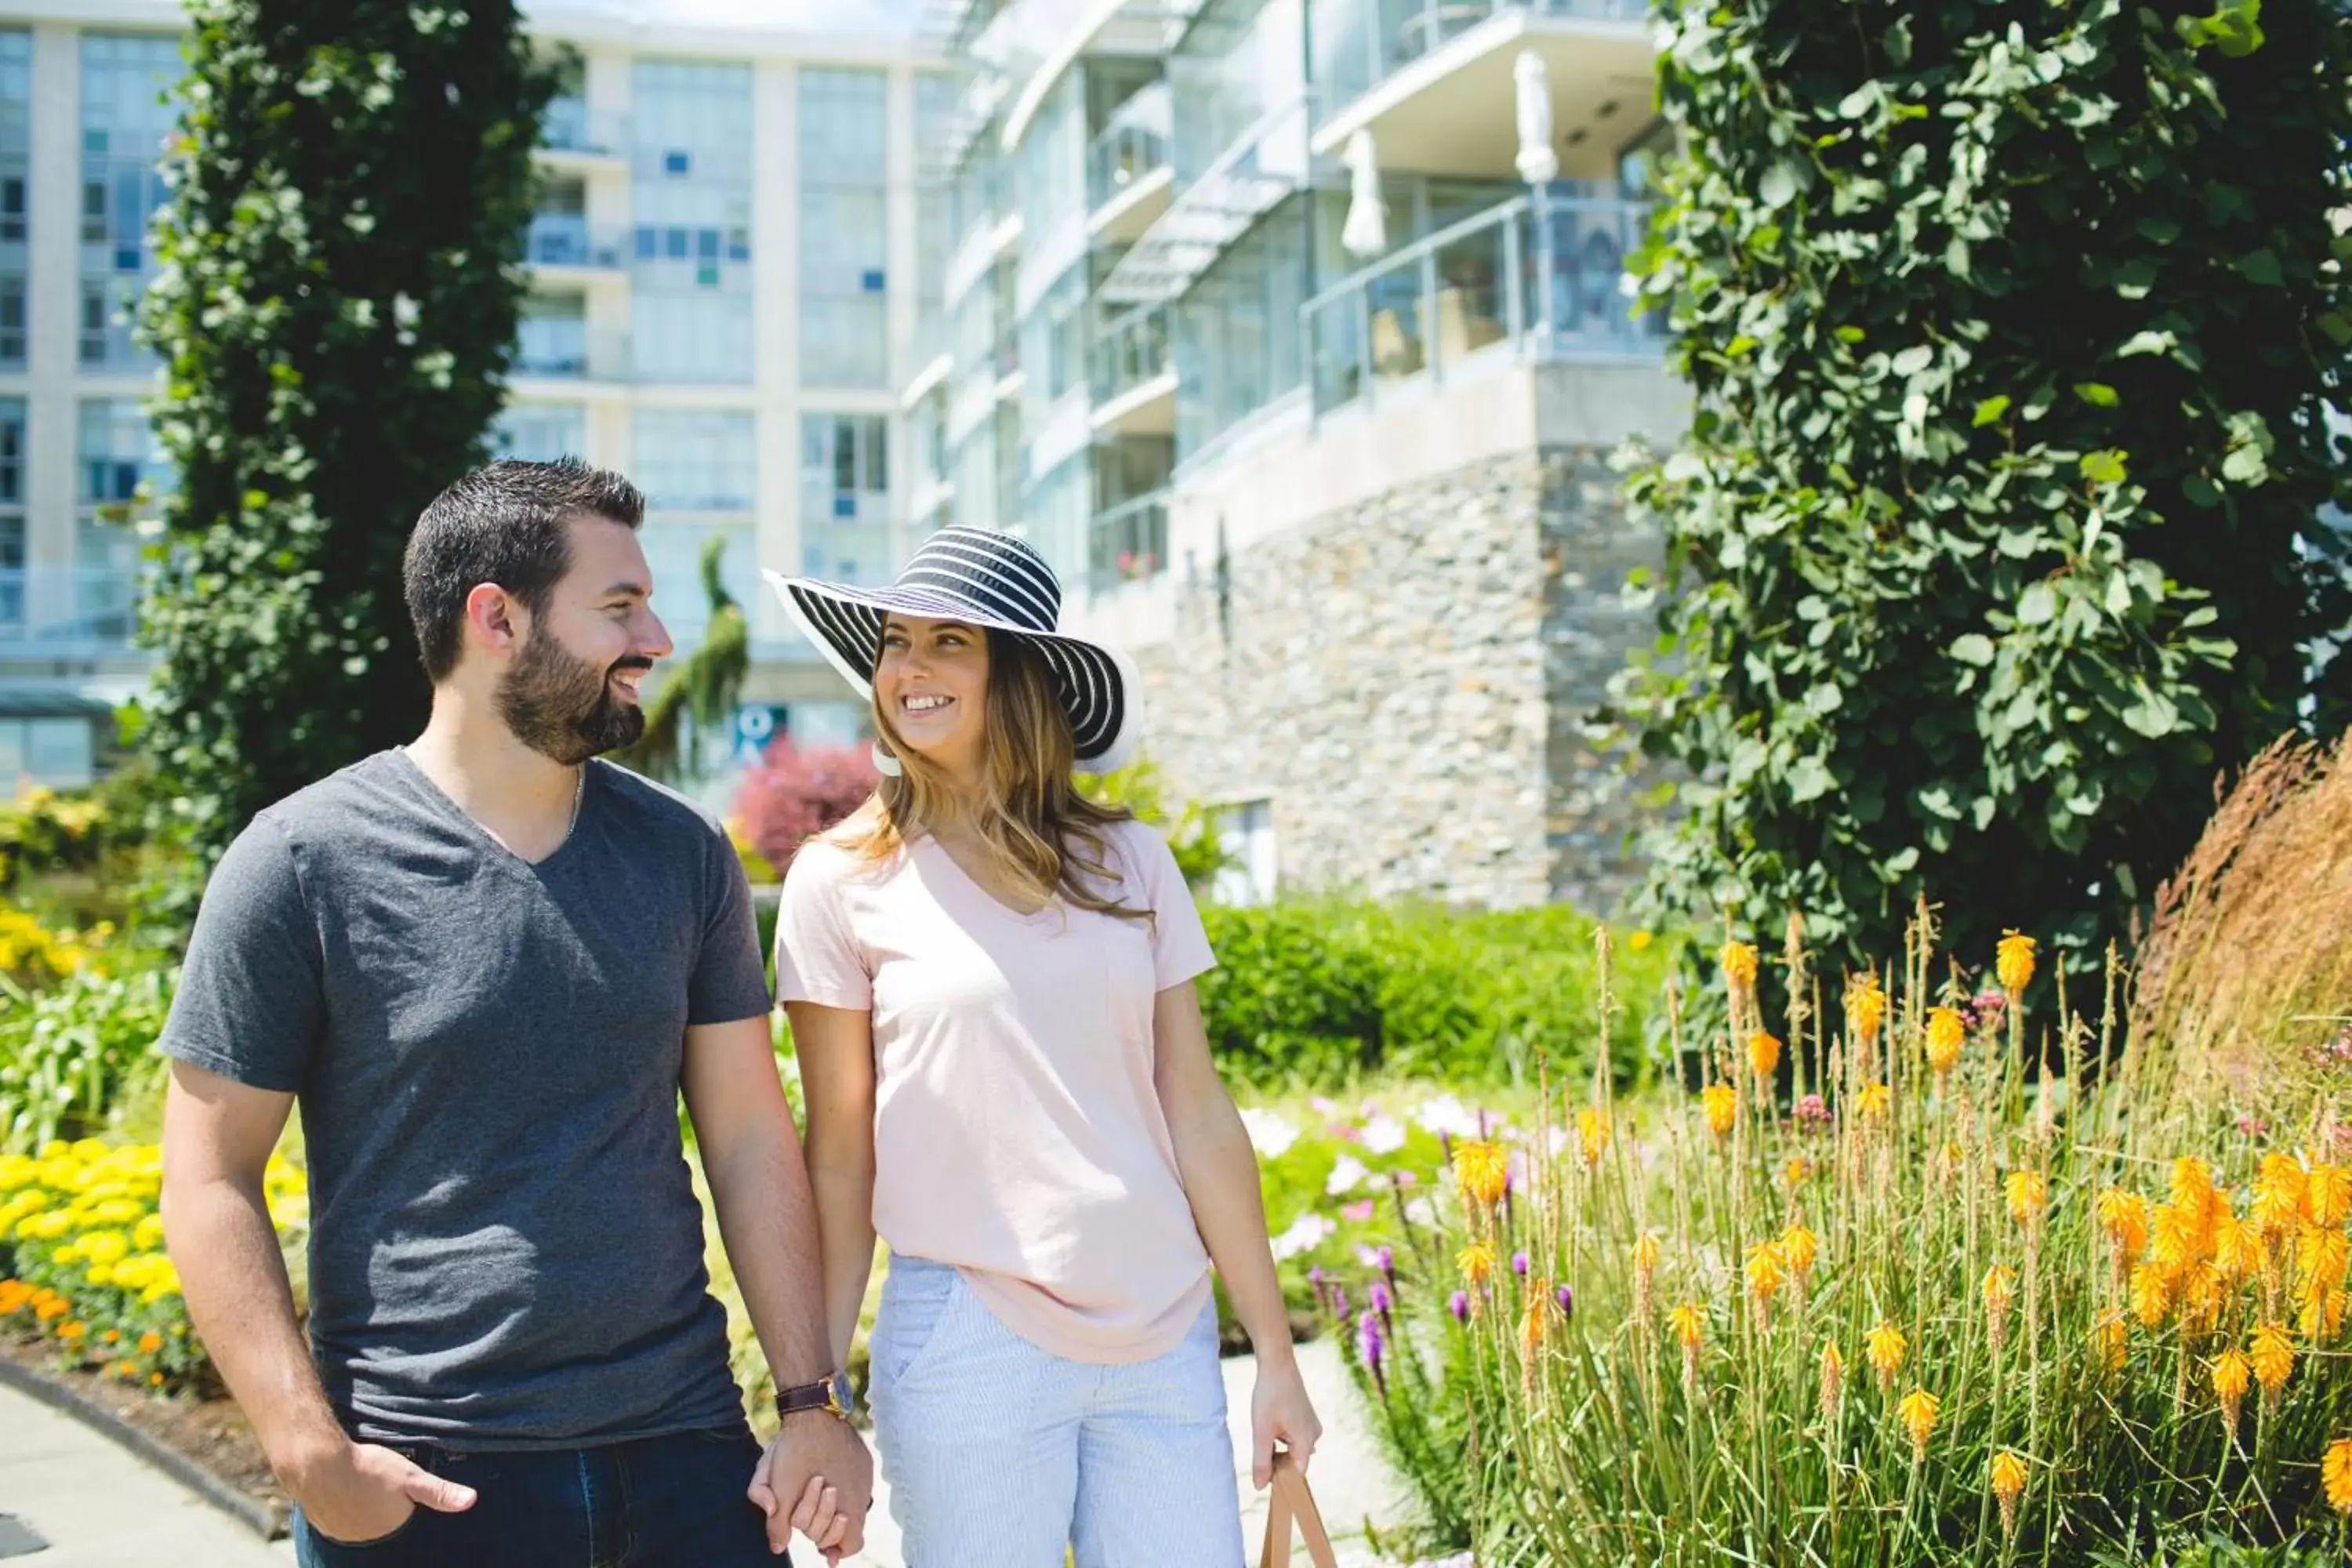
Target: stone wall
(1406, 680)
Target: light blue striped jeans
(1000, 1454)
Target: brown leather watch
(831, 1396)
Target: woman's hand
(1280, 1410)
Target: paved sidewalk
(102, 1506)
(99, 1507)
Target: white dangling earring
(888, 766)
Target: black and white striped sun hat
(982, 578)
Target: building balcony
(1134, 375)
(1261, 166)
(571, 133)
(568, 242)
(563, 349)
(1128, 176)
(1538, 277)
(1127, 543)
(67, 611)
(1431, 79)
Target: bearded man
(484, 966)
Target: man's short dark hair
(501, 524)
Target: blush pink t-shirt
(1018, 1132)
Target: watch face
(842, 1394)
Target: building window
(16, 153)
(125, 120)
(846, 532)
(57, 753)
(690, 254)
(540, 432)
(845, 232)
(551, 338)
(673, 547)
(1245, 831)
(12, 518)
(696, 459)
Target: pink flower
(1359, 1211)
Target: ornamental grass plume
(2232, 1375)
(2000, 1294)
(1884, 1347)
(1832, 1381)
(1720, 1101)
(2013, 964)
(1946, 1031)
(2335, 1475)
(1534, 1319)
(1482, 1170)
(1917, 1412)
(2005, 1477)
(1763, 1053)
(1645, 1273)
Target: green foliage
(1192, 835)
(68, 1052)
(342, 283)
(1317, 992)
(699, 691)
(2009, 328)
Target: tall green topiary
(2011, 327)
(341, 284)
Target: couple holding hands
(484, 966)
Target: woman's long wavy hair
(1041, 835)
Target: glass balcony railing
(570, 126)
(63, 608)
(1127, 543)
(1133, 145)
(568, 239)
(1544, 271)
(1130, 351)
(563, 348)
(1371, 40)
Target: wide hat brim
(1100, 688)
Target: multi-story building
(1295, 333)
(730, 259)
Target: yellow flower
(1721, 1103)
(2320, 1315)
(1832, 1379)
(2198, 1297)
(1639, 941)
(1767, 1271)
(1884, 1347)
(2151, 1294)
(2335, 1475)
(2124, 1217)
(1794, 1173)
(1645, 1254)
(2029, 1194)
(2237, 1248)
(1866, 1006)
(1482, 1170)
(1739, 962)
(1593, 1132)
(1476, 1261)
(2273, 1357)
(2006, 1476)
(1999, 1292)
(2233, 1374)
(1917, 1413)
(2176, 1243)
(2327, 1194)
(1688, 1323)
(1763, 1053)
(2013, 966)
(2320, 1258)
(2108, 1338)
(150, 1342)
(1946, 1030)
(1876, 1100)
(2278, 1194)
(1798, 1248)
(73, 1330)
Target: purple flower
(1565, 1295)
(1339, 1300)
(1371, 1342)
(1383, 1300)
(1459, 1305)
(1519, 1264)
(1384, 1259)
(1811, 1112)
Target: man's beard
(564, 707)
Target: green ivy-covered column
(340, 287)
(2011, 327)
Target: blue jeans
(998, 1454)
(659, 1502)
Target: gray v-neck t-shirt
(505, 1250)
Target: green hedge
(1317, 992)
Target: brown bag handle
(1291, 1503)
